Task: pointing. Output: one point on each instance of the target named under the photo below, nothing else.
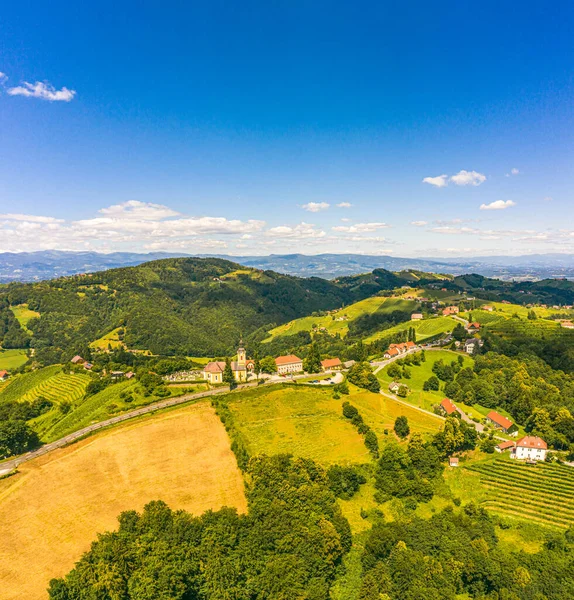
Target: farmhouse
(450, 310)
(447, 407)
(473, 327)
(501, 422)
(213, 371)
(397, 349)
(77, 360)
(453, 461)
(487, 307)
(504, 446)
(394, 387)
(288, 364)
(332, 364)
(530, 448)
(3, 375)
(471, 345)
(417, 317)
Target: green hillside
(338, 322)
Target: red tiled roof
(329, 363)
(448, 406)
(505, 445)
(3, 373)
(214, 367)
(453, 460)
(499, 419)
(392, 352)
(411, 344)
(531, 441)
(287, 360)
(77, 359)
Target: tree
(431, 384)
(228, 376)
(403, 391)
(402, 428)
(268, 365)
(362, 376)
(459, 332)
(257, 365)
(312, 364)
(394, 371)
(16, 437)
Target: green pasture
(338, 322)
(12, 359)
(23, 314)
(424, 329)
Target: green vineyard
(541, 493)
(60, 388)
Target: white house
(288, 364)
(530, 448)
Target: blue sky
(239, 128)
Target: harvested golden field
(52, 510)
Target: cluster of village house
(242, 367)
(78, 360)
(529, 448)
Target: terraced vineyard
(425, 329)
(60, 388)
(541, 493)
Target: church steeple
(241, 355)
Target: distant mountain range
(35, 266)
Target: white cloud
(344, 205)
(448, 230)
(134, 209)
(438, 181)
(44, 91)
(468, 178)
(419, 223)
(512, 172)
(301, 231)
(29, 218)
(498, 205)
(345, 220)
(360, 227)
(185, 245)
(3, 77)
(316, 206)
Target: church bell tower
(241, 356)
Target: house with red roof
(501, 422)
(332, 364)
(3, 375)
(77, 360)
(288, 364)
(508, 445)
(450, 310)
(530, 447)
(447, 407)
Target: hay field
(12, 359)
(52, 510)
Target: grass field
(542, 493)
(109, 340)
(52, 510)
(12, 359)
(424, 329)
(23, 314)
(306, 421)
(347, 314)
(420, 374)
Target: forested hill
(202, 306)
(175, 306)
